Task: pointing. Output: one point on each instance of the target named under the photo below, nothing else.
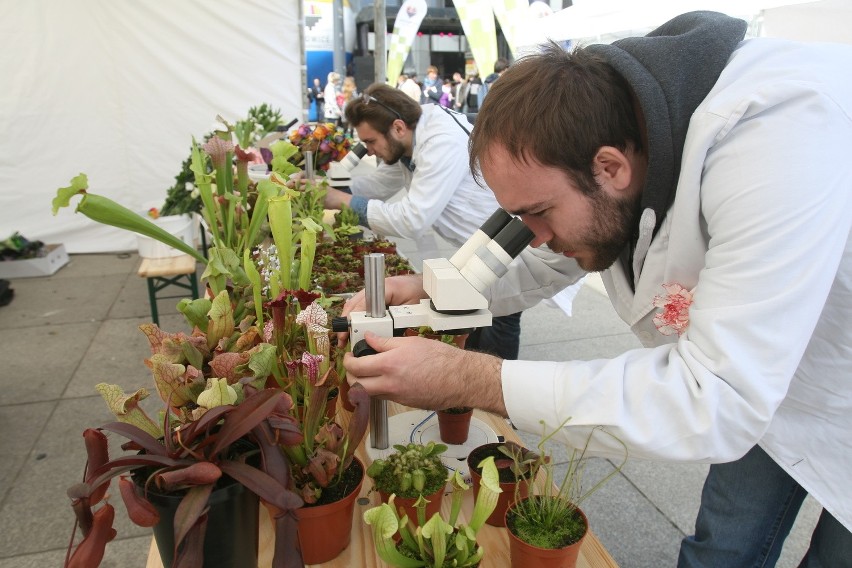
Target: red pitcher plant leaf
(98, 454)
(90, 551)
(190, 510)
(253, 410)
(263, 485)
(199, 473)
(191, 554)
(140, 510)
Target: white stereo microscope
(455, 303)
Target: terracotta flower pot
(407, 504)
(454, 426)
(325, 530)
(525, 555)
(507, 482)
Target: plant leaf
(135, 434)
(217, 393)
(190, 509)
(263, 485)
(79, 184)
(385, 524)
(126, 407)
(221, 319)
(254, 410)
(263, 360)
(195, 311)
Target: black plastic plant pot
(232, 526)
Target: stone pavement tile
(26, 421)
(120, 553)
(36, 514)
(674, 487)
(133, 302)
(630, 527)
(39, 362)
(580, 349)
(100, 264)
(592, 316)
(48, 301)
(116, 356)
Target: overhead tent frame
(117, 89)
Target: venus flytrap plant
(436, 542)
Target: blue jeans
(501, 338)
(747, 510)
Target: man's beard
(395, 150)
(613, 225)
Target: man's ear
(612, 168)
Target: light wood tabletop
(361, 552)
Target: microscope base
(421, 427)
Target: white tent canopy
(603, 21)
(117, 89)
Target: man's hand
(334, 198)
(399, 290)
(424, 373)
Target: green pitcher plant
(438, 542)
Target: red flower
(675, 315)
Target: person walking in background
(410, 88)
(348, 92)
(446, 99)
(332, 89)
(680, 165)
(459, 92)
(471, 99)
(319, 99)
(431, 86)
(500, 67)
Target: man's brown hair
(380, 105)
(557, 108)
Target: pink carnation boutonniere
(675, 315)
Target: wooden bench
(163, 272)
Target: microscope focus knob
(361, 348)
(339, 324)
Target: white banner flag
(405, 27)
(477, 19)
(511, 14)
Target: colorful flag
(405, 27)
(477, 19)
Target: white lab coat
(760, 231)
(441, 193)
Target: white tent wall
(117, 89)
(827, 20)
(604, 21)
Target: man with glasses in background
(423, 150)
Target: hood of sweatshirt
(671, 70)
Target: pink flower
(675, 315)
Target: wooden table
(361, 552)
